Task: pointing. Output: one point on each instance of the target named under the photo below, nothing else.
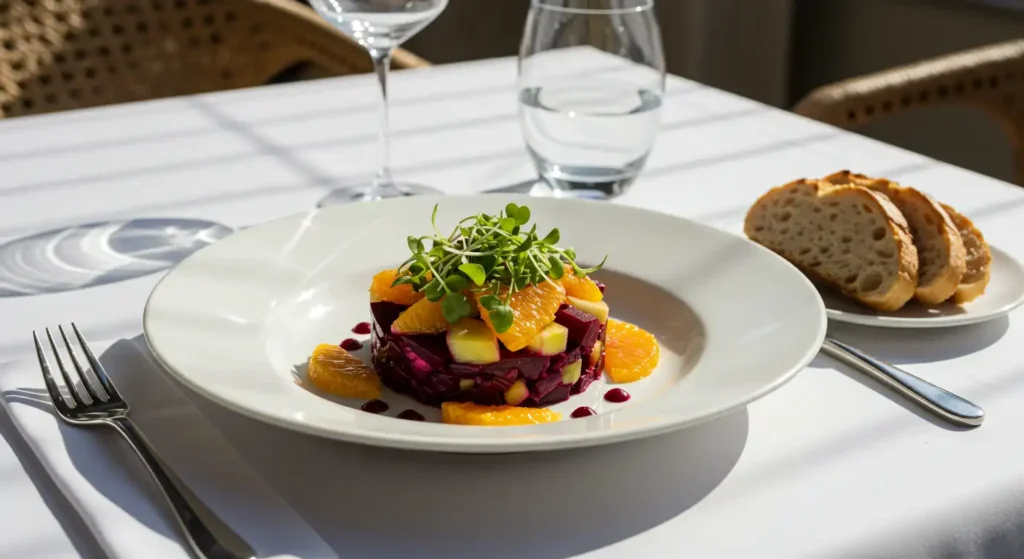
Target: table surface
(827, 466)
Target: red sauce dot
(375, 406)
(583, 411)
(412, 415)
(616, 395)
(361, 328)
(348, 344)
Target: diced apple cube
(473, 342)
(466, 384)
(595, 354)
(571, 372)
(598, 309)
(552, 340)
(517, 393)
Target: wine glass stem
(383, 186)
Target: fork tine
(51, 385)
(78, 367)
(64, 372)
(97, 368)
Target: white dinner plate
(1004, 293)
(236, 321)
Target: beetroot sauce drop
(411, 415)
(375, 406)
(348, 344)
(583, 411)
(616, 395)
(362, 328)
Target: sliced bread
(940, 250)
(979, 258)
(848, 237)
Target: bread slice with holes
(979, 258)
(849, 237)
(940, 250)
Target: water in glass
(590, 89)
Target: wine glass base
(364, 193)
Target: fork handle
(200, 539)
(939, 401)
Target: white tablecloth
(828, 466)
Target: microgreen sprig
(491, 256)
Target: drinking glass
(379, 26)
(591, 80)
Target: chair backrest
(63, 54)
(990, 78)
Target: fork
(113, 412)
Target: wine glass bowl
(591, 80)
(379, 26)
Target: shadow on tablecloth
(371, 502)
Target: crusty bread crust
(900, 280)
(939, 275)
(979, 258)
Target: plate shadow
(899, 346)
(99, 253)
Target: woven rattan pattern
(64, 54)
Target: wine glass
(379, 26)
(591, 80)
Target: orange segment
(458, 413)
(424, 317)
(381, 290)
(534, 308)
(630, 353)
(337, 372)
(580, 288)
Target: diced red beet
(559, 394)
(429, 348)
(466, 370)
(545, 385)
(421, 365)
(598, 284)
(445, 383)
(583, 328)
(530, 366)
(559, 362)
(384, 314)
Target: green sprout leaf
(490, 302)
(403, 280)
(501, 318)
(455, 283)
(455, 307)
(557, 268)
(493, 255)
(520, 213)
(434, 290)
(474, 272)
(433, 220)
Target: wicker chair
(65, 54)
(990, 78)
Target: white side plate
(1004, 293)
